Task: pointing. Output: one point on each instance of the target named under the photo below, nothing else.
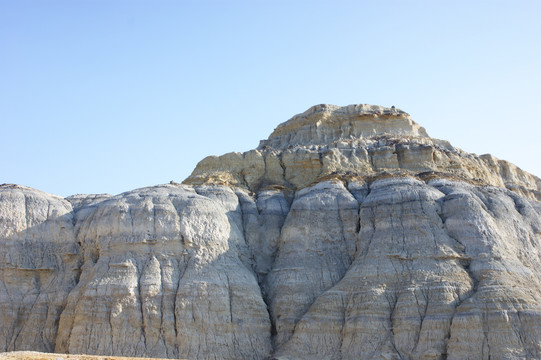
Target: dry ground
(33, 355)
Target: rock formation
(348, 234)
(360, 140)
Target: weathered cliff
(348, 234)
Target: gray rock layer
(388, 267)
(396, 269)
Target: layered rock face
(359, 140)
(348, 234)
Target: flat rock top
(322, 124)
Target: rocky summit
(348, 234)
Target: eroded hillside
(348, 234)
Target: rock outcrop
(356, 140)
(348, 234)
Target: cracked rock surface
(348, 234)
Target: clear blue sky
(109, 95)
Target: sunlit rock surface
(355, 140)
(348, 234)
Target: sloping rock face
(442, 269)
(39, 265)
(348, 234)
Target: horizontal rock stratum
(356, 140)
(348, 234)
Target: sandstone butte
(348, 234)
